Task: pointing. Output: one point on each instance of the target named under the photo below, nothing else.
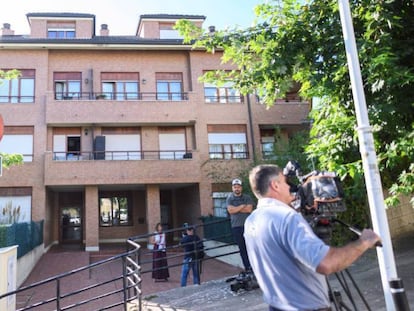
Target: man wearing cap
(239, 206)
(191, 243)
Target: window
(227, 142)
(67, 85)
(115, 210)
(19, 90)
(223, 94)
(273, 142)
(167, 31)
(172, 143)
(61, 33)
(18, 140)
(66, 144)
(16, 205)
(120, 86)
(268, 144)
(169, 86)
(219, 203)
(122, 143)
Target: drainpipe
(249, 112)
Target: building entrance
(71, 224)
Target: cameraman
(289, 261)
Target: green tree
(10, 159)
(296, 42)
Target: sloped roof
(60, 14)
(171, 16)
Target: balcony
(121, 167)
(151, 96)
(282, 112)
(84, 108)
(123, 155)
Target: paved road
(217, 295)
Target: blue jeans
(188, 264)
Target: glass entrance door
(71, 224)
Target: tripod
(344, 277)
(336, 297)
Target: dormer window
(56, 33)
(61, 29)
(167, 31)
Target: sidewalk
(214, 293)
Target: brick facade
(173, 189)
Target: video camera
(318, 193)
(245, 280)
(319, 197)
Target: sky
(122, 16)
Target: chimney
(6, 31)
(212, 29)
(104, 30)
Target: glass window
(131, 90)
(169, 90)
(18, 90)
(125, 90)
(219, 203)
(61, 33)
(67, 85)
(223, 94)
(67, 146)
(18, 144)
(26, 91)
(210, 94)
(67, 89)
(227, 146)
(4, 91)
(268, 144)
(120, 86)
(167, 31)
(162, 90)
(114, 211)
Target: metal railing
(222, 155)
(217, 230)
(128, 293)
(121, 96)
(100, 296)
(122, 155)
(229, 99)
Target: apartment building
(118, 133)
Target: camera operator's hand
(339, 258)
(370, 237)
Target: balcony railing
(122, 96)
(224, 99)
(11, 99)
(228, 155)
(123, 155)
